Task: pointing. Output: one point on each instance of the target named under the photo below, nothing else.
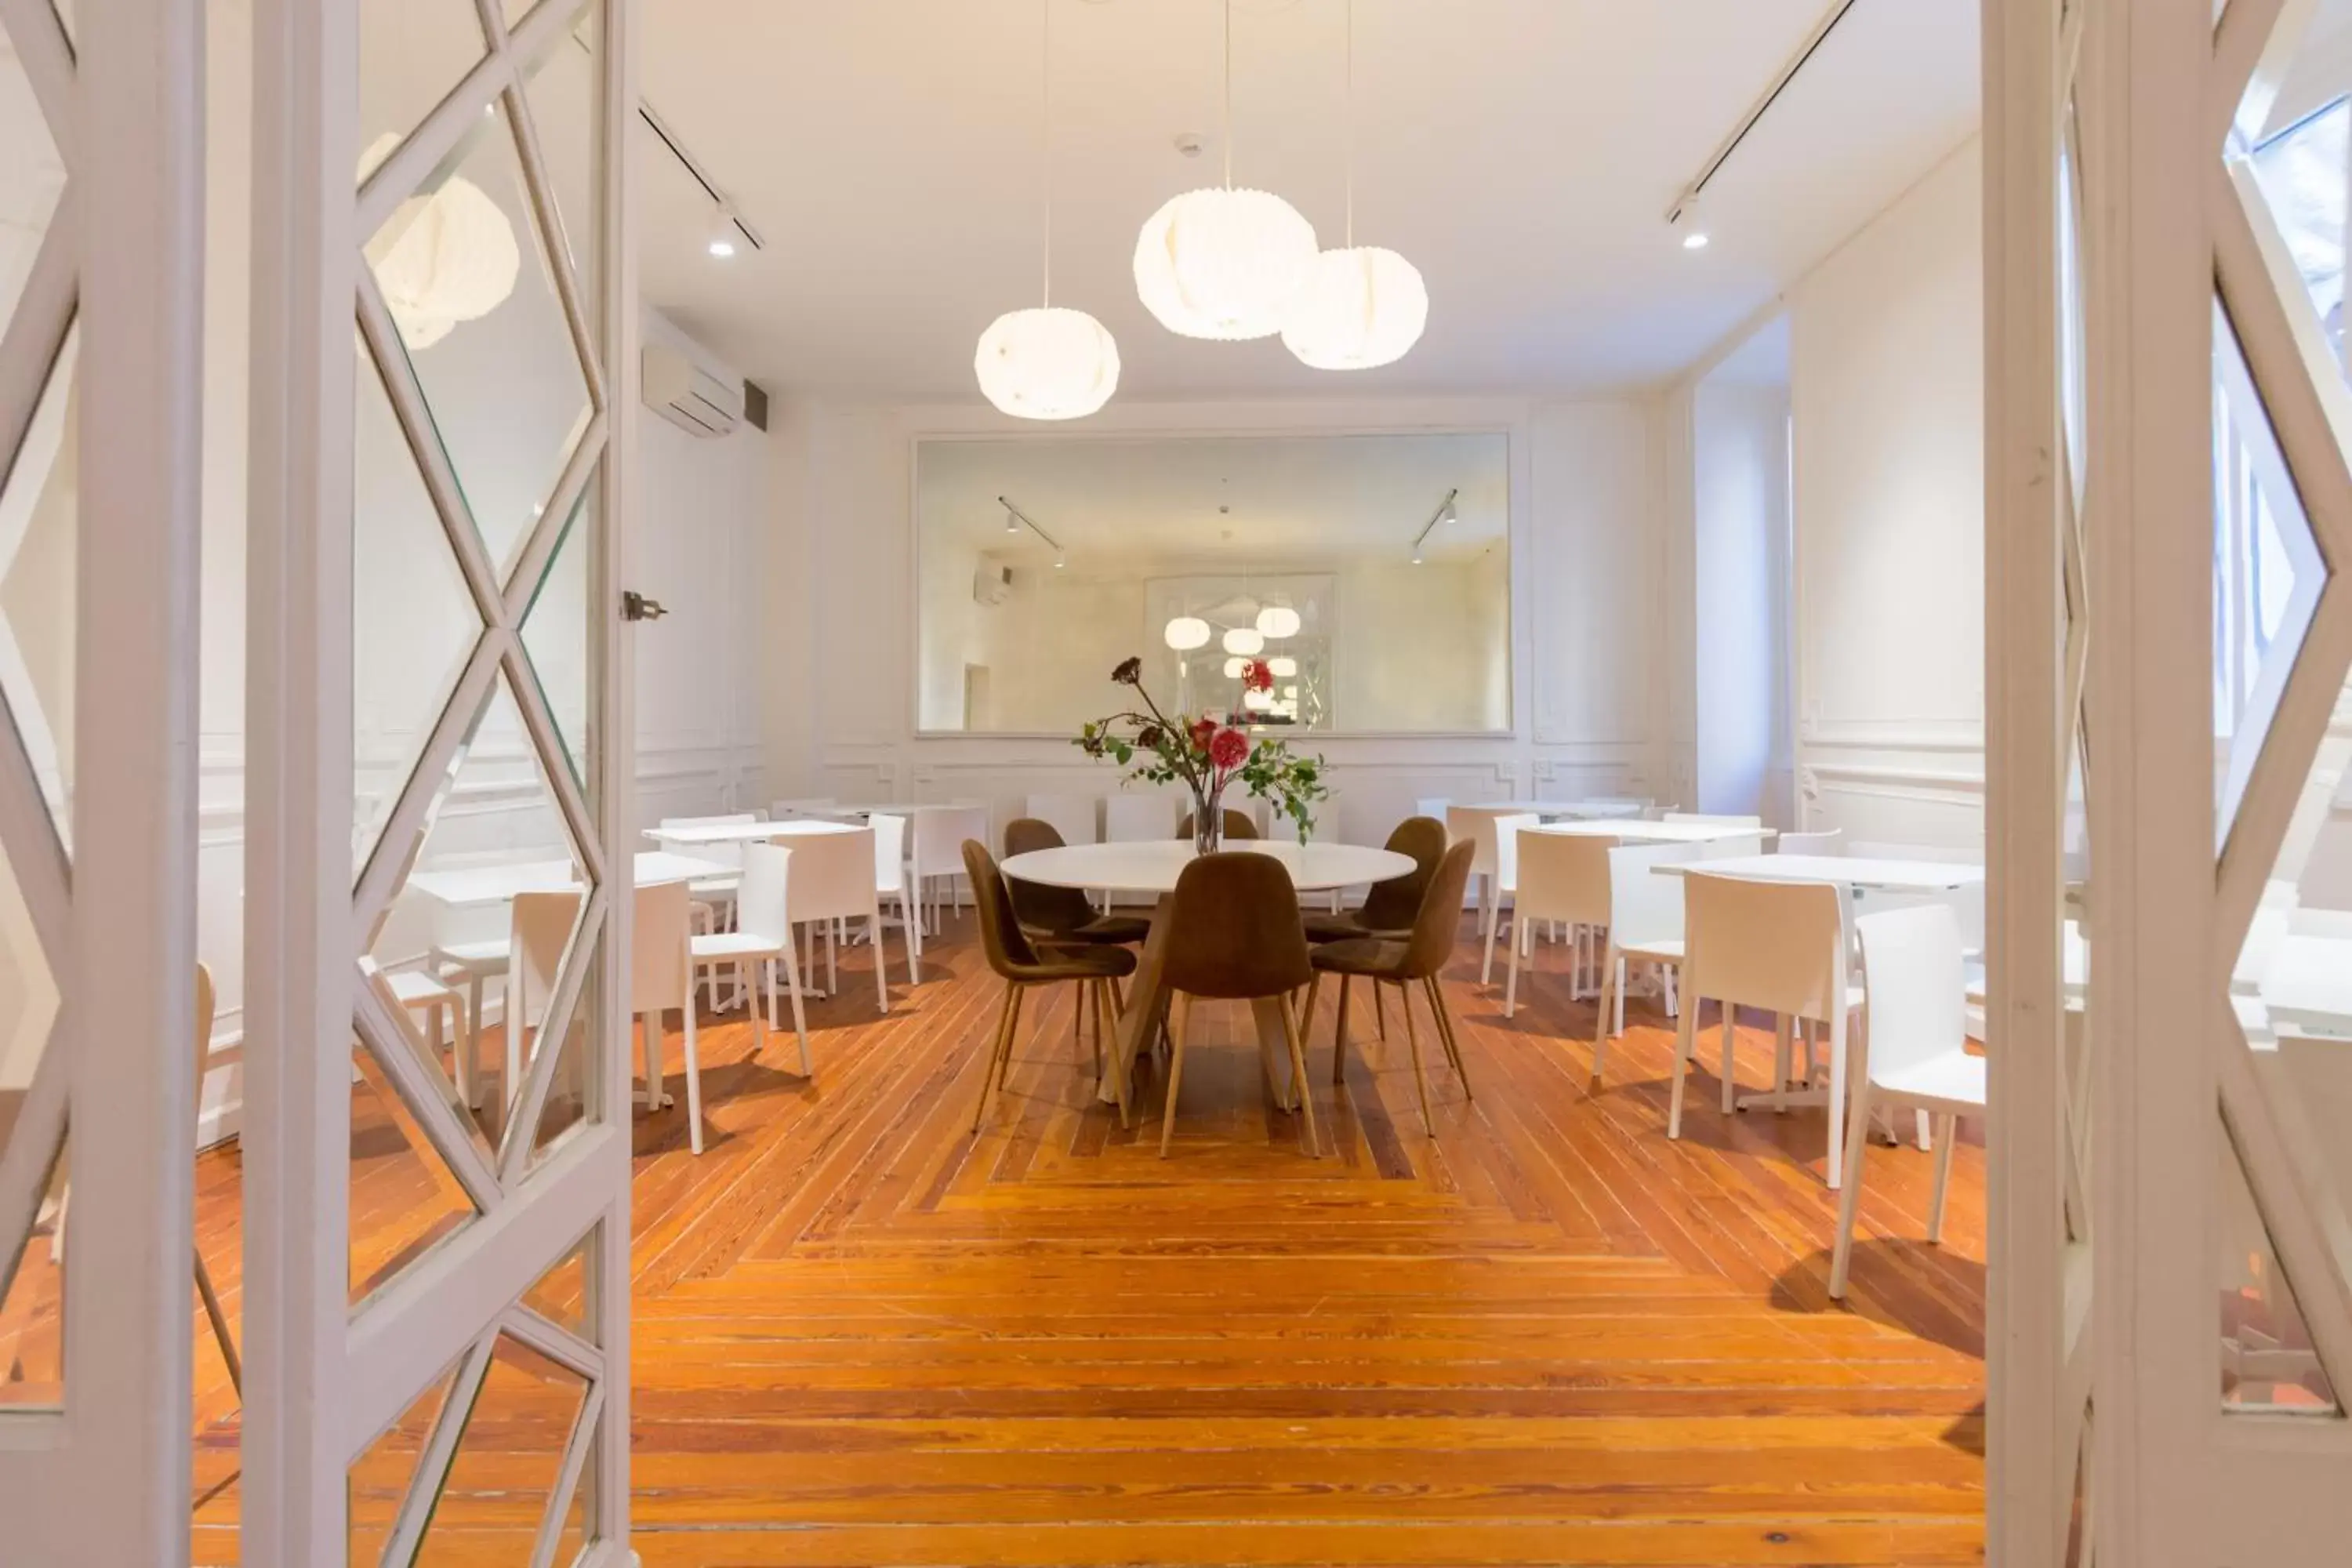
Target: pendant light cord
(1351, 118)
(1045, 137)
(1229, 94)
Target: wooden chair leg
(1004, 1016)
(1298, 1075)
(1947, 1134)
(1453, 1039)
(1419, 1073)
(1175, 1070)
(219, 1320)
(1379, 1012)
(1340, 1035)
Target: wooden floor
(1546, 1335)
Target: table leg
(1140, 1017)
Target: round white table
(1153, 867)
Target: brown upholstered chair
(1238, 825)
(1390, 907)
(1233, 936)
(1420, 956)
(1060, 914)
(1022, 966)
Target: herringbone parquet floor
(1546, 1335)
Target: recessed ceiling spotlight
(1695, 241)
(1688, 222)
(722, 233)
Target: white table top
(901, 808)
(1153, 865)
(1578, 808)
(747, 832)
(1656, 832)
(1855, 871)
(478, 885)
(2308, 985)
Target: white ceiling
(1521, 153)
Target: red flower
(1258, 676)
(1229, 749)
(1204, 729)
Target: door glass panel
(411, 53)
(404, 1201)
(555, 636)
(565, 100)
(503, 1481)
(486, 333)
(414, 621)
(39, 531)
(380, 1478)
(2267, 571)
(2267, 1361)
(562, 1294)
(569, 1090)
(32, 1300)
(575, 1538)
(495, 890)
(36, 178)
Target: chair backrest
(1238, 825)
(724, 853)
(1475, 824)
(543, 929)
(1780, 946)
(1507, 846)
(661, 973)
(939, 838)
(809, 806)
(1439, 924)
(1966, 904)
(762, 902)
(204, 1012)
(1037, 905)
(1830, 841)
(1918, 1007)
(1719, 818)
(1007, 950)
(1138, 818)
(833, 875)
(1645, 907)
(1234, 929)
(1073, 815)
(1395, 904)
(890, 851)
(1562, 877)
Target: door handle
(635, 607)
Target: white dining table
(1153, 866)
(899, 808)
(474, 887)
(705, 834)
(1591, 809)
(1858, 873)
(1658, 832)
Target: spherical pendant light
(1283, 669)
(1277, 621)
(446, 256)
(1234, 667)
(1186, 633)
(1047, 363)
(1364, 306)
(1245, 641)
(1223, 264)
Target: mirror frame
(1515, 533)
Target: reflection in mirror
(1370, 573)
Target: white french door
(436, 1259)
(2170, 186)
(100, 188)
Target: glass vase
(1209, 823)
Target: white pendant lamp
(446, 256)
(1234, 667)
(1186, 633)
(1244, 640)
(1282, 668)
(1050, 363)
(1363, 306)
(1223, 263)
(1277, 621)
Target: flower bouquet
(1206, 754)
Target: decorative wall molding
(1893, 735)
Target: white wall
(1887, 382)
(1740, 494)
(1588, 575)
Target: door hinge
(635, 607)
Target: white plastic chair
(1780, 946)
(473, 945)
(1645, 925)
(1439, 806)
(661, 976)
(937, 852)
(1967, 904)
(1916, 1054)
(543, 923)
(1556, 877)
(1718, 818)
(763, 934)
(1072, 816)
(1141, 817)
(1829, 841)
(832, 879)
(1492, 862)
(890, 883)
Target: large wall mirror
(1370, 573)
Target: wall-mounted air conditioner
(689, 396)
